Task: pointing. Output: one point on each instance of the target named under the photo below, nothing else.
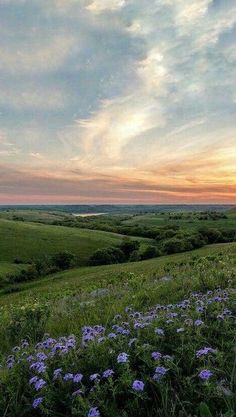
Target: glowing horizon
(111, 101)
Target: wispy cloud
(114, 100)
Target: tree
(150, 252)
(128, 246)
(63, 260)
(212, 235)
(173, 245)
(107, 256)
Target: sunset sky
(117, 101)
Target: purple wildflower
(111, 336)
(39, 384)
(41, 356)
(94, 377)
(40, 367)
(57, 373)
(33, 380)
(160, 371)
(77, 377)
(159, 332)
(93, 412)
(198, 323)
(156, 355)
(68, 377)
(108, 373)
(138, 385)
(37, 402)
(204, 351)
(180, 330)
(205, 374)
(122, 358)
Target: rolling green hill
(31, 241)
(187, 222)
(90, 278)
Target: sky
(117, 101)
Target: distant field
(88, 278)
(32, 215)
(31, 241)
(160, 220)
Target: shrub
(150, 252)
(63, 260)
(174, 245)
(106, 256)
(128, 246)
(212, 235)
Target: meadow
(28, 241)
(149, 338)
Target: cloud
(98, 6)
(130, 98)
(7, 149)
(31, 96)
(153, 73)
(116, 124)
(36, 55)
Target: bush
(174, 245)
(150, 252)
(63, 260)
(128, 246)
(107, 256)
(211, 235)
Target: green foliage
(204, 410)
(64, 260)
(128, 246)
(107, 256)
(150, 252)
(174, 245)
(179, 393)
(27, 322)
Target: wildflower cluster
(132, 361)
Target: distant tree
(107, 256)
(128, 246)
(63, 260)
(211, 235)
(150, 252)
(173, 245)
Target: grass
(87, 279)
(159, 220)
(27, 240)
(52, 308)
(33, 215)
(97, 297)
(8, 267)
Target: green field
(157, 220)
(61, 304)
(32, 215)
(87, 279)
(85, 298)
(30, 241)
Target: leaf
(204, 410)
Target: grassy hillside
(87, 279)
(187, 223)
(33, 215)
(31, 240)
(176, 340)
